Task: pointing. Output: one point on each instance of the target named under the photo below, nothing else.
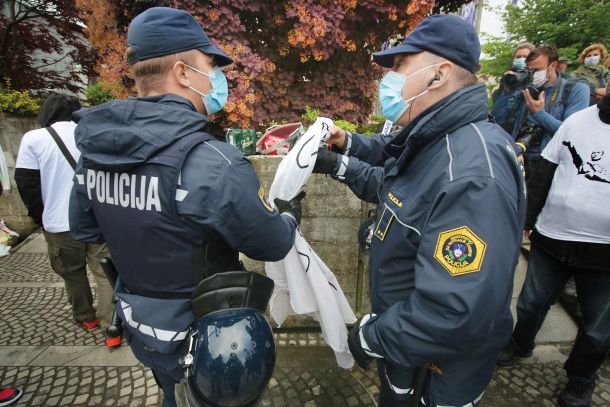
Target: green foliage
(99, 93)
(310, 115)
(18, 102)
(374, 125)
(347, 126)
(571, 25)
(500, 58)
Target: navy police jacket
(449, 221)
(173, 204)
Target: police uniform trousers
(165, 367)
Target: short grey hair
(527, 45)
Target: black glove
(355, 347)
(293, 206)
(326, 161)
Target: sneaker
(510, 353)
(89, 324)
(9, 395)
(576, 394)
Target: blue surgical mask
(216, 99)
(393, 105)
(519, 63)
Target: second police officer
(451, 203)
(174, 204)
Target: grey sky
(490, 20)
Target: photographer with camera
(520, 53)
(537, 101)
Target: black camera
(529, 136)
(520, 79)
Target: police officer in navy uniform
(174, 204)
(449, 220)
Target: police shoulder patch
(460, 251)
(263, 197)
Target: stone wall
(331, 217)
(12, 210)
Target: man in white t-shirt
(44, 176)
(567, 214)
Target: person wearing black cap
(451, 202)
(174, 204)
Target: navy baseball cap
(161, 31)
(447, 36)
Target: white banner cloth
(304, 285)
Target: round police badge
(460, 251)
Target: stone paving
(57, 363)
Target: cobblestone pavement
(34, 316)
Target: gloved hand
(326, 162)
(293, 206)
(355, 346)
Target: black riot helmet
(232, 352)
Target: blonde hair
(602, 50)
(150, 74)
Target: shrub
(99, 93)
(347, 126)
(18, 102)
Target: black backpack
(567, 89)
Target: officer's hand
(326, 161)
(355, 347)
(526, 234)
(337, 137)
(293, 206)
(532, 104)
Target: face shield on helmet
(232, 352)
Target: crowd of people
(141, 180)
(568, 184)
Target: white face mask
(540, 78)
(592, 60)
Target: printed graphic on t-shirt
(589, 165)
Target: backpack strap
(62, 147)
(567, 89)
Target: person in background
(562, 66)
(44, 175)
(520, 53)
(593, 71)
(568, 224)
(520, 113)
(9, 395)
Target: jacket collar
(465, 106)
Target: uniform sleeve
(83, 225)
(453, 308)
(245, 219)
(577, 101)
(363, 179)
(225, 196)
(366, 149)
